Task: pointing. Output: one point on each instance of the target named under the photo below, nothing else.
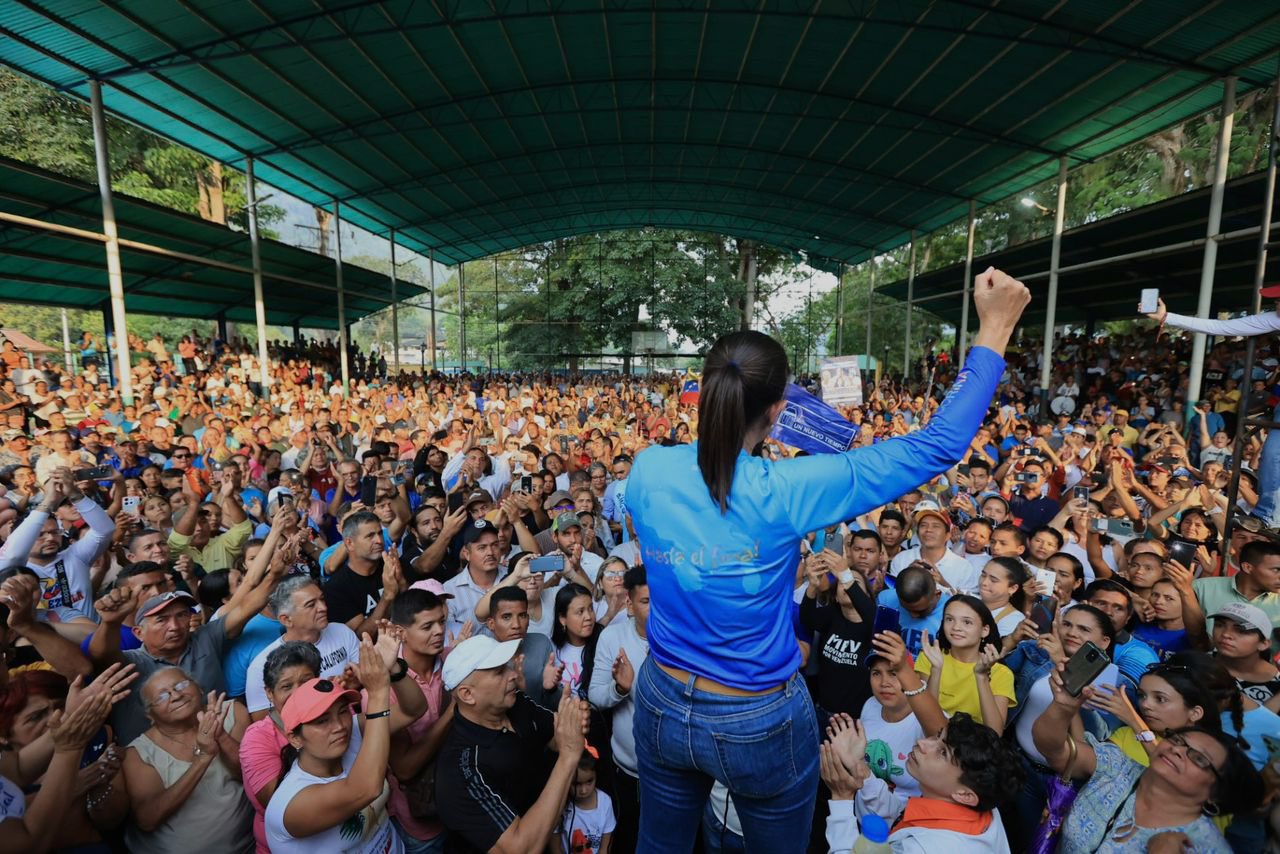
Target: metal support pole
(431, 262)
(108, 332)
(395, 308)
(297, 334)
(343, 339)
(1259, 276)
(871, 296)
(808, 329)
(259, 305)
(221, 323)
(66, 345)
(462, 316)
(115, 276)
(963, 332)
(840, 309)
(1210, 261)
(497, 329)
(911, 295)
(1055, 258)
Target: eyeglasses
(182, 456)
(1198, 759)
(613, 573)
(164, 697)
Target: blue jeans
(417, 846)
(716, 838)
(1269, 477)
(764, 749)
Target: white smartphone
(129, 504)
(1150, 300)
(1046, 578)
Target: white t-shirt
(369, 831)
(571, 657)
(587, 827)
(1039, 698)
(338, 647)
(955, 570)
(887, 747)
(1009, 620)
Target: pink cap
(312, 699)
(431, 586)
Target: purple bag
(1061, 794)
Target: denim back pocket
(756, 763)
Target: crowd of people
(408, 615)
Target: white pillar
(431, 261)
(462, 316)
(871, 296)
(115, 276)
(963, 332)
(839, 301)
(342, 305)
(395, 306)
(66, 345)
(1055, 257)
(911, 294)
(259, 305)
(1210, 261)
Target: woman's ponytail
(745, 373)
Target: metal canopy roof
(68, 268)
(830, 127)
(1110, 291)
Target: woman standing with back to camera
(719, 697)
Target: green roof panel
(834, 128)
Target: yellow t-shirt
(1125, 739)
(958, 691)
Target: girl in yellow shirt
(962, 665)
(1170, 697)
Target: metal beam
(259, 304)
(115, 276)
(431, 263)
(963, 332)
(1055, 257)
(462, 317)
(395, 307)
(1259, 276)
(839, 303)
(871, 294)
(1211, 246)
(911, 288)
(342, 307)
(152, 249)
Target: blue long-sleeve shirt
(721, 585)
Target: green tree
(55, 132)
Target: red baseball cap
(1271, 290)
(312, 699)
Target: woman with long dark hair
(719, 697)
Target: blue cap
(875, 829)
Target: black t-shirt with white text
(348, 594)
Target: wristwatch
(1146, 736)
(402, 670)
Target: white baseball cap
(476, 653)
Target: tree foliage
(55, 132)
